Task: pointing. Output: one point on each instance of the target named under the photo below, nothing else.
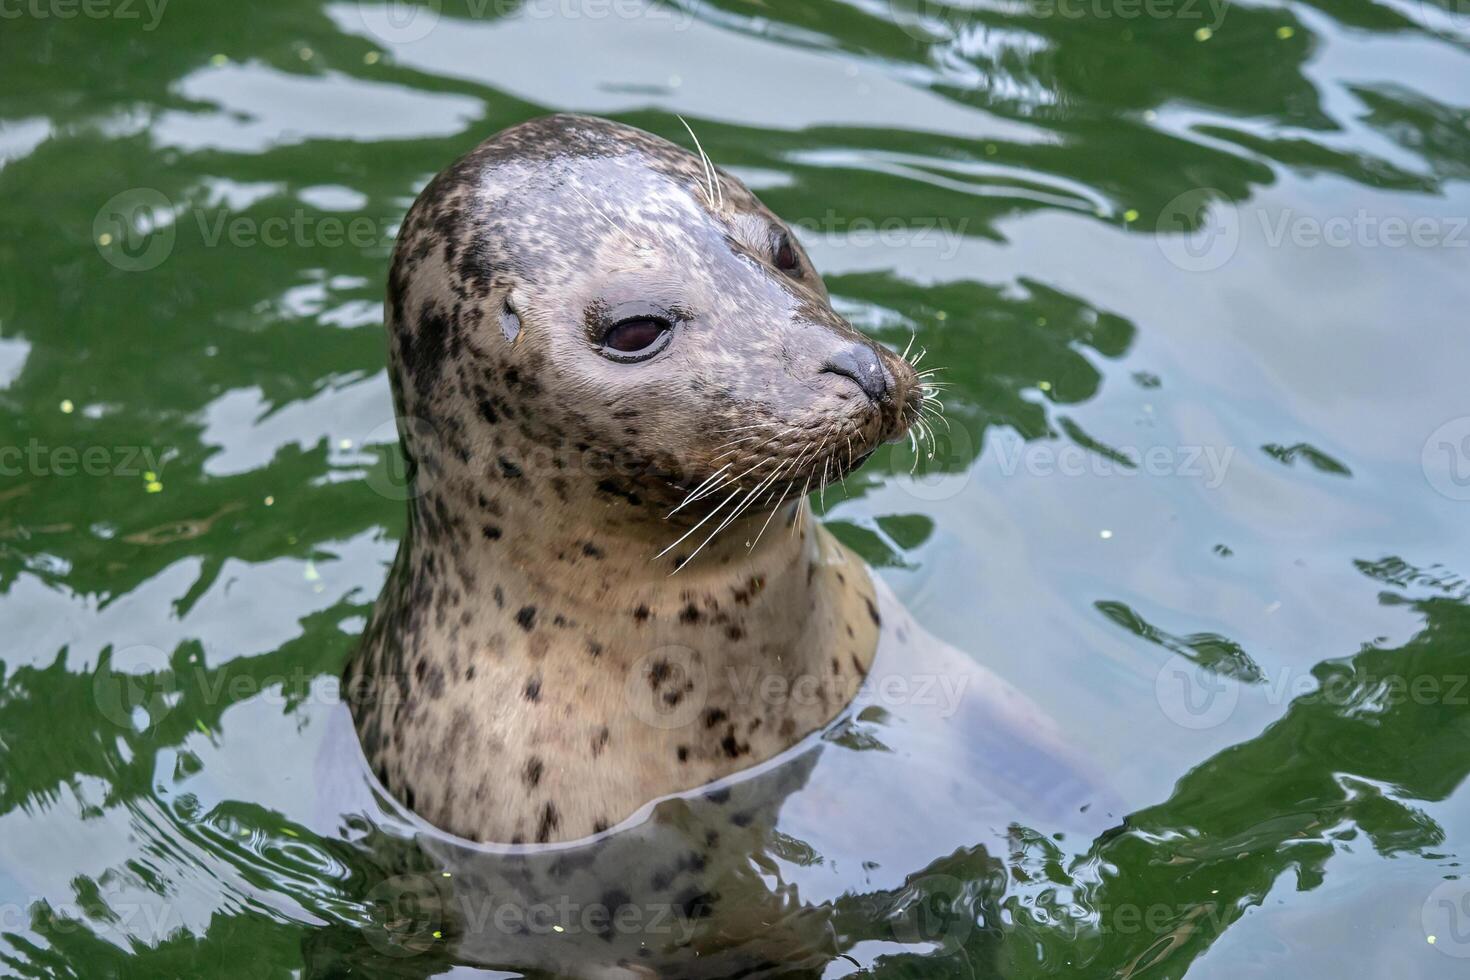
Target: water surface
(1197, 274)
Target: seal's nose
(862, 364)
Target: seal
(617, 377)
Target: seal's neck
(551, 661)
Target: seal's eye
(785, 256)
(636, 338)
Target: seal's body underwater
(617, 376)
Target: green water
(1198, 276)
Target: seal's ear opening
(510, 321)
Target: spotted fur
(538, 666)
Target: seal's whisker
(801, 501)
(751, 546)
(693, 494)
(709, 168)
(734, 447)
(696, 527)
(740, 508)
(930, 413)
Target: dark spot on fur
(733, 748)
(549, 822)
(683, 753)
(734, 632)
(527, 618)
(658, 672)
(594, 648)
(690, 614)
(534, 769)
(533, 690)
(511, 470)
(591, 550)
(491, 532)
(713, 717)
(696, 904)
(873, 612)
(612, 489)
(641, 614)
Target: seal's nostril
(861, 363)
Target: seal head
(639, 303)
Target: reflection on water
(1193, 271)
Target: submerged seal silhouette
(611, 364)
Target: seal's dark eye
(785, 255)
(637, 338)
